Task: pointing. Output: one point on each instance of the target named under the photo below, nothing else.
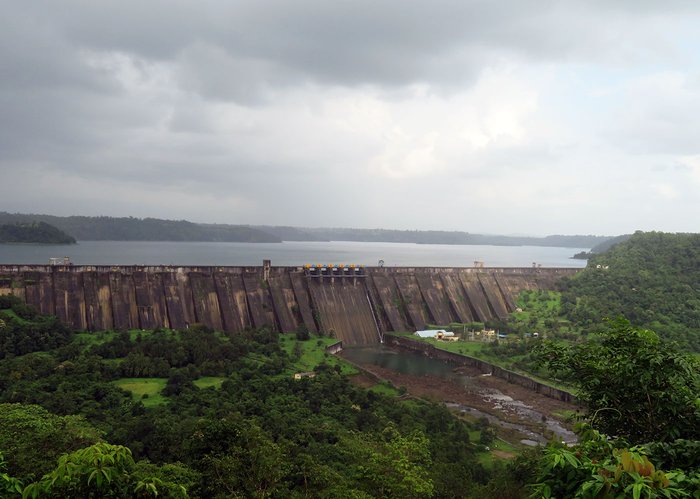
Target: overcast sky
(529, 117)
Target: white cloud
(693, 164)
(666, 191)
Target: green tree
(651, 279)
(32, 438)
(9, 486)
(238, 457)
(635, 386)
(101, 470)
(397, 465)
(601, 468)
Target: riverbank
(483, 366)
(525, 415)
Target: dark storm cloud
(343, 42)
(248, 50)
(238, 101)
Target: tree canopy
(258, 432)
(634, 385)
(651, 279)
(643, 413)
(34, 232)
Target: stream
(466, 391)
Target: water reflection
(400, 361)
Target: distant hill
(154, 229)
(287, 233)
(144, 229)
(651, 279)
(33, 232)
(602, 247)
(606, 245)
(428, 237)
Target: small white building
(434, 333)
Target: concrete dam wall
(356, 305)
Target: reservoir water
(290, 254)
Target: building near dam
(355, 304)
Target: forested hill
(144, 229)
(428, 237)
(609, 243)
(34, 232)
(154, 229)
(651, 279)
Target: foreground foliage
(101, 470)
(635, 386)
(643, 401)
(600, 467)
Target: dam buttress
(356, 307)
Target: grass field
(385, 388)
(540, 312)
(94, 338)
(499, 450)
(541, 304)
(99, 337)
(152, 387)
(144, 386)
(312, 353)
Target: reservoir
(290, 254)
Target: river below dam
(530, 417)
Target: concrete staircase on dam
(356, 308)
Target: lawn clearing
(148, 387)
(499, 450)
(311, 353)
(385, 388)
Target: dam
(354, 304)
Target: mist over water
(290, 254)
